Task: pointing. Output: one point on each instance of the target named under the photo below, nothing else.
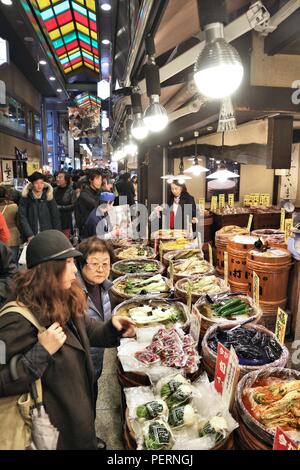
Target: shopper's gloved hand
(124, 325)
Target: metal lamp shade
(156, 117)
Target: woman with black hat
(60, 355)
(37, 209)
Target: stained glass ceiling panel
(72, 29)
(86, 100)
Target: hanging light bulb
(196, 169)
(218, 69)
(170, 178)
(138, 129)
(155, 117)
(130, 148)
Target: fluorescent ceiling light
(52, 79)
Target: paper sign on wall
(282, 441)
(281, 323)
(255, 289)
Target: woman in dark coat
(60, 355)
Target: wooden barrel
(208, 228)
(221, 241)
(209, 357)
(274, 238)
(117, 272)
(252, 435)
(272, 268)
(237, 248)
(207, 323)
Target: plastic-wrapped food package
(156, 435)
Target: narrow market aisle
(109, 418)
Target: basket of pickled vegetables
(176, 255)
(266, 400)
(255, 346)
(146, 311)
(171, 234)
(177, 414)
(132, 285)
(191, 267)
(135, 251)
(178, 244)
(137, 266)
(226, 308)
(199, 286)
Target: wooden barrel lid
(271, 256)
(241, 242)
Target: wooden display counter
(266, 220)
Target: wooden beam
(286, 33)
(280, 141)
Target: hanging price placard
(221, 367)
(282, 220)
(231, 200)
(280, 329)
(172, 273)
(201, 203)
(221, 201)
(250, 220)
(211, 261)
(288, 226)
(255, 289)
(214, 203)
(226, 267)
(189, 296)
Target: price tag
(211, 261)
(221, 367)
(250, 220)
(231, 200)
(226, 267)
(281, 322)
(288, 229)
(172, 273)
(267, 199)
(214, 203)
(256, 198)
(221, 201)
(262, 199)
(189, 296)
(161, 251)
(231, 379)
(199, 241)
(282, 220)
(195, 325)
(255, 289)
(201, 203)
(282, 441)
(246, 200)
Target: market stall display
(147, 311)
(190, 267)
(255, 346)
(273, 267)
(274, 238)
(238, 247)
(176, 255)
(265, 400)
(134, 251)
(226, 309)
(171, 234)
(200, 285)
(178, 244)
(137, 266)
(221, 241)
(131, 285)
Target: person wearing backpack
(60, 355)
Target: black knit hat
(49, 245)
(36, 176)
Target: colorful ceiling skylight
(87, 100)
(72, 28)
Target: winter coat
(87, 201)
(10, 212)
(66, 200)
(38, 215)
(7, 271)
(181, 217)
(126, 189)
(67, 376)
(98, 315)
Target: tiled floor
(109, 419)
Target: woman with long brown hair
(60, 355)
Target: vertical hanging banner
(214, 203)
(250, 220)
(282, 220)
(282, 441)
(288, 226)
(221, 201)
(281, 323)
(211, 261)
(255, 286)
(231, 200)
(226, 267)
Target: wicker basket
(182, 293)
(178, 276)
(142, 261)
(121, 296)
(118, 254)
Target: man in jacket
(125, 190)
(98, 222)
(65, 199)
(37, 210)
(88, 199)
(7, 271)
